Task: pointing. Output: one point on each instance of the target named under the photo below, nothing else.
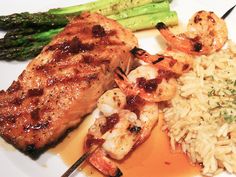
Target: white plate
(14, 163)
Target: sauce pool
(153, 158)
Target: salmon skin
(63, 83)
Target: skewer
(226, 14)
(80, 161)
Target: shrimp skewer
(129, 113)
(206, 34)
(119, 132)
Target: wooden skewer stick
(80, 161)
(226, 14)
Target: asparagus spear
(121, 5)
(99, 4)
(136, 23)
(141, 10)
(20, 32)
(35, 20)
(22, 53)
(28, 39)
(105, 7)
(58, 17)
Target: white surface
(14, 163)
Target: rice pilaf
(202, 118)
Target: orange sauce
(153, 158)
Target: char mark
(161, 26)
(166, 74)
(172, 62)
(68, 48)
(15, 86)
(211, 19)
(137, 51)
(98, 31)
(30, 148)
(38, 126)
(89, 59)
(120, 73)
(197, 19)
(197, 47)
(35, 92)
(11, 119)
(17, 101)
(118, 173)
(134, 129)
(158, 60)
(185, 67)
(35, 114)
(77, 78)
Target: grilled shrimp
(111, 101)
(117, 140)
(206, 34)
(150, 83)
(210, 27)
(177, 62)
(119, 131)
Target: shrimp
(210, 27)
(150, 83)
(102, 163)
(206, 34)
(117, 140)
(111, 101)
(182, 64)
(121, 131)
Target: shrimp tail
(146, 57)
(161, 26)
(138, 52)
(120, 73)
(99, 160)
(143, 55)
(123, 82)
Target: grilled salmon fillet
(62, 84)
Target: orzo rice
(202, 118)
